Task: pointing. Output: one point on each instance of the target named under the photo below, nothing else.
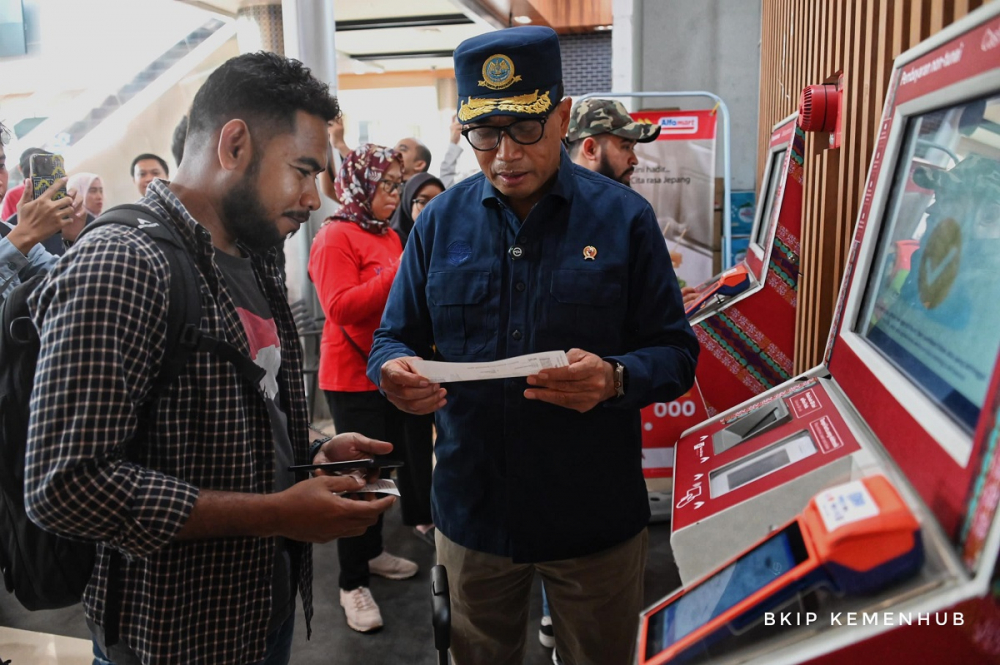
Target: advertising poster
(676, 174)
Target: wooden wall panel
(569, 15)
(806, 42)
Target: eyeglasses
(420, 202)
(487, 137)
(390, 186)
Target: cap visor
(641, 132)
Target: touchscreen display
(733, 584)
(775, 172)
(930, 305)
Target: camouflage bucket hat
(591, 117)
(974, 175)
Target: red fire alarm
(819, 109)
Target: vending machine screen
(930, 308)
(774, 178)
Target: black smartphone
(45, 170)
(334, 467)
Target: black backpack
(43, 570)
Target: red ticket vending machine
(745, 317)
(910, 386)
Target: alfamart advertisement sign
(676, 174)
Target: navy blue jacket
(518, 477)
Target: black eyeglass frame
(502, 129)
(390, 186)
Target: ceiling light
(604, 27)
(522, 19)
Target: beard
(606, 169)
(245, 218)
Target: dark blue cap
(513, 72)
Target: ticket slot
(754, 423)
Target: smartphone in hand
(45, 170)
(347, 465)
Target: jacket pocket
(585, 308)
(458, 303)
(585, 287)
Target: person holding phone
(541, 474)
(21, 253)
(13, 195)
(210, 533)
(352, 262)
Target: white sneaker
(392, 567)
(362, 613)
(545, 634)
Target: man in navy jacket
(543, 474)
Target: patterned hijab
(357, 183)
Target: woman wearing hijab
(417, 193)
(89, 187)
(418, 448)
(352, 262)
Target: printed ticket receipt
(533, 363)
(380, 486)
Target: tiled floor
(19, 647)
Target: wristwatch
(620, 379)
(316, 445)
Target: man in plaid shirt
(212, 526)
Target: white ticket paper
(382, 486)
(533, 363)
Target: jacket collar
(563, 188)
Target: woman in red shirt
(352, 262)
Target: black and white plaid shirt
(101, 315)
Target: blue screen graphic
(733, 584)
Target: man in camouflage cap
(602, 137)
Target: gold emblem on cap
(589, 253)
(498, 73)
(530, 103)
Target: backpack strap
(184, 334)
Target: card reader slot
(760, 463)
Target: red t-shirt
(10, 201)
(352, 270)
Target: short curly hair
(263, 89)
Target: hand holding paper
(408, 390)
(443, 372)
(585, 383)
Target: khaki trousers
(595, 603)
